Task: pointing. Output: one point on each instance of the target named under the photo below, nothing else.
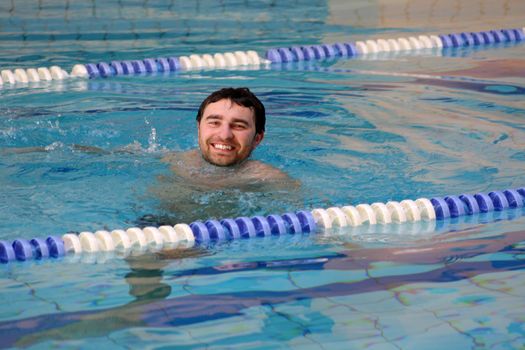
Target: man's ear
(258, 138)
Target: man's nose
(225, 132)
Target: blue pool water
(351, 131)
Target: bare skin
(192, 167)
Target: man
(231, 124)
(219, 179)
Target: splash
(153, 145)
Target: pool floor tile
(314, 278)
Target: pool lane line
(228, 60)
(225, 60)
(402, 44)
(169, 64)
(204, 232)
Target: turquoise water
(351, 131)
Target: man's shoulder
(258, 172)
(191, 166)
(183, 159)
(263, 171)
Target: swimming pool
(362, 130)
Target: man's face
(227, 133)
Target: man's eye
(239, 126)
(213, 123)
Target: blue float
(519, 34)
(246, 227)
(484, 202)
(138, 66)
(308, 53)
(215, 230)
(351, 49)
(56, 246)
(128, 67)
(105, 69)
(92, 70)
(163, 64)
(467, 39)
(7, 253)
(40, 248)
(292, 222)
(509, 35)
(277, 224)
(174, 63)
(470, 202)
(455, 205)
(341, 49)
(273, 55)
(151, 65)
(307, 221)
(499, 200)
(318, 52)
(23, 249)
(286, 54)
(328, 50)
(117, 67)
(233, 229)
(514, 198)
(297, 53)
(262, 226)
(456, 40)
(498, 36)
(440, 207)
(447, 42)
(489, 38)
(200, 231)
(478, 38)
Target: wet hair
(242, 97)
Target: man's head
(231, 124)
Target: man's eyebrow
(220, 117)
(213, 116)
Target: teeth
(221, 146)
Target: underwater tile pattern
(460, 315)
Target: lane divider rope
(275, 55)
(169, 64)
(132, 67)
(411, 43)
(203, 232)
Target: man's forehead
(227, 108)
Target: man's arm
(37, 149)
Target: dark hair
(242, 97)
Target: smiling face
(227, 133)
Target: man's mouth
(222, 146)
